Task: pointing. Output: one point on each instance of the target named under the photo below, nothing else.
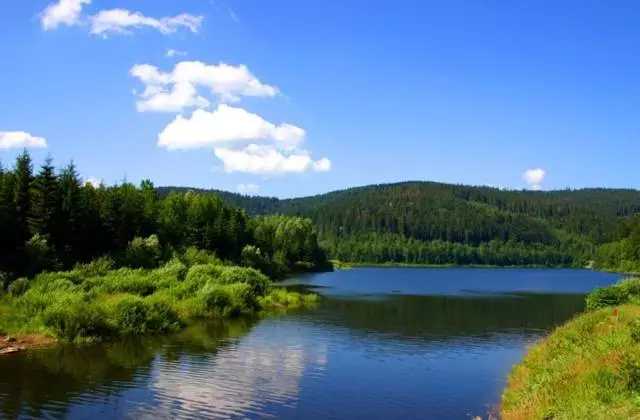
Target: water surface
(384, 343)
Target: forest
(51, 220)
(81, 261)
(435, 223)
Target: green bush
(204, 272)
(606, 296)
(215, 299)
(18, 287)
(76, 277)
(143, 252)
(634, 330)
(40, 255)
(193, 256)
(34, 302)
(126, 280)
(131, 315)
(57, 285)
(197, 277)
(622, 292)
(161, 315)
(258, 281)
(174, 268)
(134, 315)
(242, 295)
(71, 321)
(98, 267)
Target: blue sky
(290, 98)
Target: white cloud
(224, 125)
(174, 53)
(266, 159)
(65, 12)
(20, 139)
(534, 178)
(121, 21)
(225, 81)
(93, 181)
(248, 189)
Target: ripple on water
(406, 356)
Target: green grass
(587, 368)
(97, 301)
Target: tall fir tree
(45, 200)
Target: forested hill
(426, 222)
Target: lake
(384, 343)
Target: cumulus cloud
(174, 53)
(20, 139)
(93, 182)
(225, 125)
(228, 83)
(534, 178)
(248, 189)
(266, 159)
(65, 12)
(121, 21)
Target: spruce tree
(45, 201)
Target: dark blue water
(385, 343)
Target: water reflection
(367, 354)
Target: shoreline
(596, 351)
(340, 265)
(10, 344)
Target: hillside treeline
(51, 220)
(434, 223)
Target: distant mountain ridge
(414, 215)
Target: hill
(436, 223)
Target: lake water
(385, 343)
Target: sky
(292, 98)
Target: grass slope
(587, 368)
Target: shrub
(33, 302)
(258, 281)
(215, 299)
(606, 296)
(18, 287)
(39, 254)
(134, 315)
(126, 280)
(197, 277)
(56, 285)
(161, 315)
(634, 330)
(242, 295)
(76, 277)
(71, 321)
(143, 252)
(174, 268)
(194, 256)
(98, 267)
(131, 315)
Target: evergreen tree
(45, 200)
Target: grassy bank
(99, 301)
(587, 368)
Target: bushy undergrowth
(587, 368)
(625, 291)
(97, 300)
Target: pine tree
(45, 202)
(22, 196)
(68, 217)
